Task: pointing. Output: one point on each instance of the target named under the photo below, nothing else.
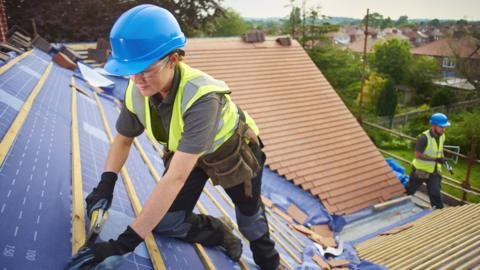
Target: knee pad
(173, 224)
(252, 227)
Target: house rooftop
(449, 47)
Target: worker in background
(429, 159)
(205, 135)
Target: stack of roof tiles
(311, 138)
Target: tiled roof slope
(448, 47)
(444, 239)
(311, 138)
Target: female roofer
(205, 135)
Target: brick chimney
(254, 36)
(3, 22)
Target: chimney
(3, 23)
(254, 36)
(284, 41)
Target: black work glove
(106, 255)
(102, 195)
(440, 160)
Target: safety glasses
(154, 69)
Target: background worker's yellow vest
(193, 85)
(432, 150)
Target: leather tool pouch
(234, 162)
(421, 174)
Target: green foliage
(371, 92)
(393, 59)
(465, 128)
(387, 100)
(386, 140)
(228, 24)
(378, 21)
(434, 23)
(293, 24)
(387, 22)
(442, 96)
(402, 20)
(423, 70)
(86, 20)
(341, 68)
(418, 125)
(461, 22)
(374, 20)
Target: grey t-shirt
(200, 120)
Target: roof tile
(310, 135)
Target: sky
(414, 9)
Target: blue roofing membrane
(35, 190)
(35, 186)
(17, 84)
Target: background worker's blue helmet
(439, 119)
(140, 37)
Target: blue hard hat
(439, 119)
(141, 36)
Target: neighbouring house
(416, 38)
(447, 51)
(357, 45)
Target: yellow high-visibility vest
(432, 150)
(193, 85)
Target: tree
(387, 22)
(294, 19)
(402, 20)
(313, 16)
(469, 66)
(434, 23)
(442, 97)
(462, 22)
(465, 129)
(192, 15)
(341, 68)
(304, 21)
(374, 19)
(387, 101)
(371, 92)
(228, 24)
(60, 21)
(86, 20)
(423, 70)
(393, 59)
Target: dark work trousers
(434, 185)
(182, 223)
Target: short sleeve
(128, 124)
(421, 144)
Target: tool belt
(234, 162)
(421, 174)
